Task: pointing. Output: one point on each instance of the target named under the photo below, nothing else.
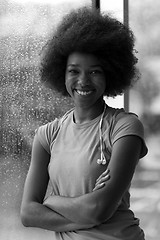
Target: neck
(84, 115)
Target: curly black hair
(85, 30)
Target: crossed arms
(58, 213)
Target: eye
(73, 71)
(96, 72)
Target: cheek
(68, 85)
(103, 84)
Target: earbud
(101, 161)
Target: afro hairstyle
(87, 31)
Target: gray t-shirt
(73, 168)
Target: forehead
(83, 59)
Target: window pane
(145, 101)
(25, 102)
(114, 7)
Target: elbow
(87, 215)
(97, 212)
(102, 214)
(24, 222)
(102, 217)
(26, 217)
(92, 215)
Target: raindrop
(25, 102)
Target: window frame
(96, 7)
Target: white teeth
(83, 93)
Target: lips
(84, 92)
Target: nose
(84, 79)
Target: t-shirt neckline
(87, 124)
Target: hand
(100, 182)
(47, 202)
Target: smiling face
(85, 79)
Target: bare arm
(98, 206)
(33, 212)
(42, 217)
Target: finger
(103, 179)
(103, 174)
(99, 186)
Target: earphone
(102, 160)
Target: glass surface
(25, 27)
(115, 8)
(145, 101)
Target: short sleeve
(46, 134)
(128, 124)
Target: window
(116, 8)
(144, 100)
(26, 103)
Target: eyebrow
(77, 65)
(73, 65)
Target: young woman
(91, 153)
